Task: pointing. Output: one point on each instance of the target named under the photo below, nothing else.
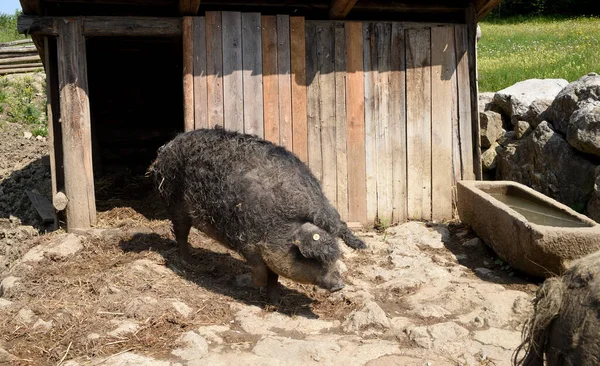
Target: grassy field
(516, 49)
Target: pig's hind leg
(182, 224)
(263, 276)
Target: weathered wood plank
(76, 127)
(355, 114)
(42, 206)
(188, 73)
(474, 89)
(398, 123)
(371, 116)
(17, 42)
(53, 115)
(270, 78)
(326, 50)
(252, 74)
(313, 111)
(341, 124)
(418, 123)
(233, 90)
(443, 61)
(383, 35)
(284, 81)
(340, 8)
(214, 68)
(464, 102)
(298, 64)
(200, 74)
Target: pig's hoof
(355, 243)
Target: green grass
(519, 48)
(8, 28)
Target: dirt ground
(421, 294)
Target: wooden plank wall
(379, 111)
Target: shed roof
(434, 10)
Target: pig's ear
(317, 247)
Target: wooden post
(471, 19)
(188, 73)
(76, 125)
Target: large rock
(517, 100)
(583, 131)
(489, 157)
(545, 161)
(593, 205)
(571, 98)
(490, 127)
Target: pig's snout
(337, 287)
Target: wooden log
(341, 123)
(17, 42)
(474, 88)
(443, 61)
(371, 116)
(42, 206)
(200, 74)
(313, 112)
(20, 60)
(37, 65)
(418, 123)
(31, 6)
(340, 8)
(17, 50)
(188, 74)
(15, 55)
(189, 7)
(252, 74)
(464, 102)
(214, 68)
(398, 123)
(233, 91)
(326, 50)
(20, 70)
(298, 65)
(106, 26)
(75, 117)
(355, 114)
(270, 78)
(284, 81)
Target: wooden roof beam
(340, 8)
(483, 7)
(189, 7)
(103, 26)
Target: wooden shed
(378, 97)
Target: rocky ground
(422, 294)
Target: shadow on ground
(480, 258)
(217, 273)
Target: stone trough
(530, 231)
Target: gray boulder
(490, 127)
(571, 98)
(525, 100)
(486, 101)
(546, 162)
(522, 128)
(593, 205)
(583, 131)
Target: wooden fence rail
(19, 57)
